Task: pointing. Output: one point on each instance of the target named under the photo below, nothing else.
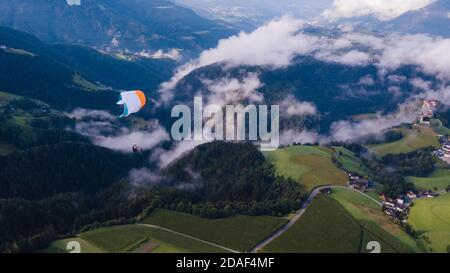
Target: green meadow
(367, 211)
(310, 166)
(349, 161)
(130, 238)
(20, 120)
(413, 139)
(430, 217)
(327, 227)
(438, 180)
(239, 232)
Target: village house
(446, 149)
(358, 182)
(398, 209)
(326, 191)
(411, 195)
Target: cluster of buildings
(446, 148)
(444, 152)
(428, 109)
(398, 208)
(358, 182)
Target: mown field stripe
(300, 213)
(190, 237)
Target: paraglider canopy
(133, 101)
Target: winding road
(300, 213)
(277, 233)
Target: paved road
(191, 237)
(277, 233)
(300, 213)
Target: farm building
(358, 182)
(326, 191)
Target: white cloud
(81, 113)
(143, 139)
(440, 93)
(431, 54)
(291, 136)
(352, 58)
(421, 84)
(273, 45)
(276, 44)
(231, 90)
(144, 177)
(290, 107)
(382, 9)
(73, 2)
(115, 42)
(164, 157)
(105, 130)
(172, 54)
(349, 131)
(366, 80)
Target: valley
(90, 154)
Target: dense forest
(67, 167)
(392, 169)
(42, 198)
(234, 174)
(387, 137)
(444, 116)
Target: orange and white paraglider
(133, 101)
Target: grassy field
(431, 217)
(308, 165)
(325, 227)
(413, 139)
(87, 85)
(439, 127)
(349, 161)
(438, 180)
(239, 232)
(21, 117)
(20, 120)
(367, 211)
(130, 238)
(328, 227)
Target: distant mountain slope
(29, 67)
(132, 24)
(138, 73)
(72, 76)
(433, 19)
(253, 13)
(43, 171)
(338, 91)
